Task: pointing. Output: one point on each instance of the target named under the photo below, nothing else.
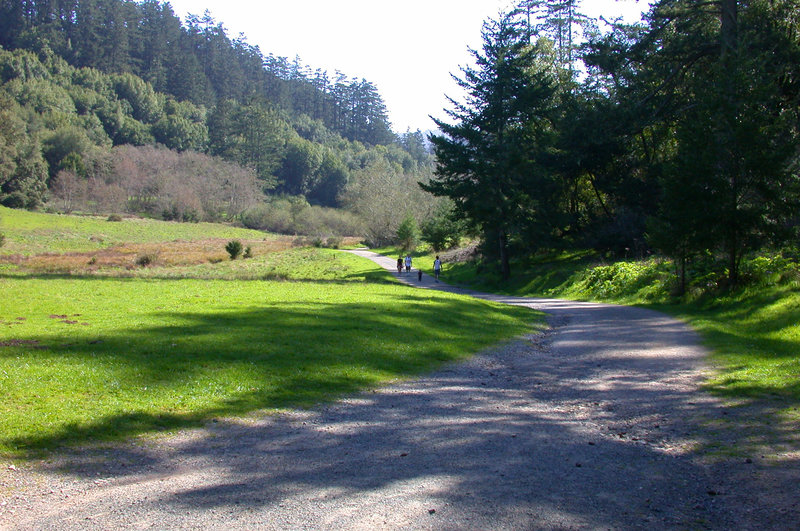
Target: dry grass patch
(129, 256)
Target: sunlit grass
(111, 352)
(79, 355)
(30, 233)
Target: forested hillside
(114, 105)
(194, 62)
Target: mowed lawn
(89, 357)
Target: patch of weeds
(146, 259)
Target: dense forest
(678, 135)
(117, 105)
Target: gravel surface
(599, 423)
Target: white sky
(407, 48)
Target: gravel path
(597, 424)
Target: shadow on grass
(274, 356)
(591, 431)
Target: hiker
(437, 268)
(408, 263)
(399, 265)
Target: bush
(14, 200)
(408, 233)
(248, 252)
(274, 217)
(114, 218)
(146, 259)
(444, 230)
(2, 239)
(234, 248)
(295, 216)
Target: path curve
(594, 424)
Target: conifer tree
(488, 158)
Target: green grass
(755, 335)
(92, 357)
(30, 233)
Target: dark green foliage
(683, 137)
(443, 230)
(491, 161)
(248, 252)
(726, 130)
(234, 249)
(146, 45)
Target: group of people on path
(401, 262)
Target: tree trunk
(729, 21)
(727, 162)
(505, 267)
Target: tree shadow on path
(598, 423)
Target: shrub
(767, 269)
(408, 233)
(234, 248)
(444, 230)
(146, 259)
(2, 239)
(114, 217)
(293, 216)
(248, 252)
(14, 200)
(274, 217)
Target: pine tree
(487, 158)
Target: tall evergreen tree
(488, 158)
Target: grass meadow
(110, 350)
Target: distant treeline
(80, 78)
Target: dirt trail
(597, 424)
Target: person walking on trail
(399, 265)
(408, 264)
(437, 268)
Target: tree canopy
(678, 134)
